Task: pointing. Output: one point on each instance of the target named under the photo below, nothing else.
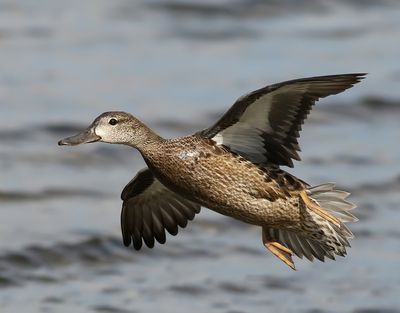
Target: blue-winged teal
(234, 169)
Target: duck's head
(111, 127)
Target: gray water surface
(178, 65)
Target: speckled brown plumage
(234, 169)
(225, 182)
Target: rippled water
(178, 65)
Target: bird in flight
(234, 168)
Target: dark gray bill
(86, 136)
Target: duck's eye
(113, 122)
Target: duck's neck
(146, 140)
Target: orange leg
(280, 251)
(318, 210)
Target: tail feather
(301, 245)
(319, 237)
(334, 202)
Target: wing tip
(137, 247)
(349, 79)
(358, 76)
(127, 242)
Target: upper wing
(264, 125)
(149, 208)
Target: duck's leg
(318, 210)
(277, 249)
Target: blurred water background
(177, 65)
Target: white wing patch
(256, 114)
(244, 135)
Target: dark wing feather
(264, 125)
(149, 208)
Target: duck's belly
(231, 186)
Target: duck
(235, 168)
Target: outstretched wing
(264, 125)
(149, 208)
